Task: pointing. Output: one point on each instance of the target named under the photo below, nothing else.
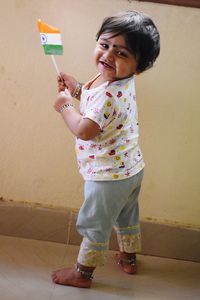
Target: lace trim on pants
(92, 254)
(129, 239)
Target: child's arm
(84, 129)
(71, 84)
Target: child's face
(113, 59)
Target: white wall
(37, 159)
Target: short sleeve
(101, 107)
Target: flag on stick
(50, 39)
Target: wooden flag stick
(55, 64)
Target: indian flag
(50, 39)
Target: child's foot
(72, 277)
(127, 262)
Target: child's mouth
(107, 66)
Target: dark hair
(141, 36)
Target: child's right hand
(61, 84)
(63, 98)
(66, 81)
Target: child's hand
(67, 81)
(64, 97)
(61, 84)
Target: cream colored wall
(37, 159)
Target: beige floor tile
(26, 265)
(157, 278)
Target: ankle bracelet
(86, 274)
(131, 261)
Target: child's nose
(108, 55)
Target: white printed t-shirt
(114, 154)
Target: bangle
(77, 90)
(65, 106)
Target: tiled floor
(26, 265)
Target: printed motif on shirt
(114, 154)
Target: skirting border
(58, 225)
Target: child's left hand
(64, 97)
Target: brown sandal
(127, 265)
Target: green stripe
(53, 49)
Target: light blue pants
(109, 204)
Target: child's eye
(121, 53)
(104, 46)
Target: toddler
(108, 154)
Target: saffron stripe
(43, 27)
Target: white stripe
(50, 38)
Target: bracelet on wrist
(65, 106)
(77, 90)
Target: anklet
(130, 262)
(86, 274)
